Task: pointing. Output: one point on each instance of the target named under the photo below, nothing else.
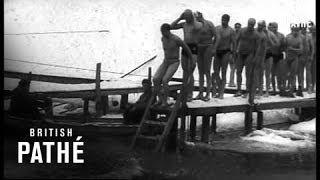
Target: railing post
(98, 91)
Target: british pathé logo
(302, 25)
(55, 152)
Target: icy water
(109, 157)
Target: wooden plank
(193, 126)
(205, 129)
(98, 91)
(259, 120)
(91, 93)
(48, 78)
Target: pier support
(193, 126)
(214, 124)
(205, 128)
(124, 101)
(248, 120)
(98, 91)
(259, 120)
(182, 128)
(104, 104)
(171, 145)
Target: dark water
(109, 157)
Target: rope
(70, 67)
(56, 32)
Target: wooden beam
(91, 93)
(98, 91)
(48, 78)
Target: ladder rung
(154, 138)
(155, 122)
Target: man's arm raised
(175, 24)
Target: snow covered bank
(308, 127)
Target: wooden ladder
(154, 127)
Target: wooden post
(259, 120)
(149, 74)
(98, 91)
(105, 104)
(193, 126)
(248, 120)
(214, 124)
(205, 129)
(124, 101)
(171, 144)
(85, 106)
(182, 128)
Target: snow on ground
(279, 140)
(305, 127)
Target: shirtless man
(261, 54)
(311, 64)
(225, 48)
(271, 41)
(237, 27)
(248, 42)
(293, 50)
(205, 46)
(303, 59)
(191, 28)
(171, 44)
(278, 56)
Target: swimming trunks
(193, 47)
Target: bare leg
(268, 64)
(216, 72)
(207, 71)
(172, 68)
(232, 71)
(240, 65)
(157, 79)
(224, 65)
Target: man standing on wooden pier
(293, 50)
(205, 52)
(191, 28)
(248, 44)
(225, 48)
(171, 44)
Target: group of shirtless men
(263, 51)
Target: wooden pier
(98, 90)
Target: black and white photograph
(160, 89)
